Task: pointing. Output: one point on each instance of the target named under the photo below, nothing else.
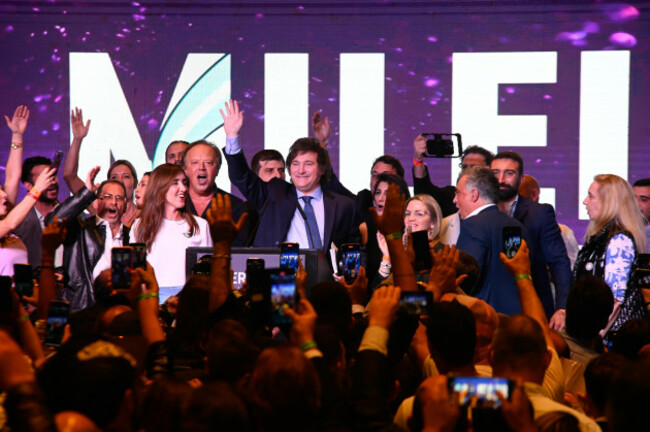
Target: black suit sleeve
(444, 196)
(249, 184)
(73, 206)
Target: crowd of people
(562, 332)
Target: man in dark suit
(300, 211)
(547, 246)
(201, 163)
(481, 235)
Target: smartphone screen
(351, 257)
(57, 318)
(289, 256)
(283, 294)
(139, 255)
(6, 301)
(422, 251)
(254, 274)
(511, 240)
(416, 303)
(484, 388)
(121, 262)
(24, 279)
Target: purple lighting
(623, 39)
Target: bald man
(530, 189)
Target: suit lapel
(329, 204)
(521, 208)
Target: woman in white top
(168, 228)
(12, 249)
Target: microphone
(304, 217)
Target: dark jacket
(83, 246)
(549, 251)
(277, 201)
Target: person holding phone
(481, 236)
(169, 229)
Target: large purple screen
(563, 83)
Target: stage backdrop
(564, 83)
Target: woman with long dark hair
(168, 228)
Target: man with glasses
(89, 241)
(472, 156)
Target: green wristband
(145, 296)
(308, 345)
(393, 236)
(523, 276)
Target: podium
(318, 268)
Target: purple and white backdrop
(564, 83)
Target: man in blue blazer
(546, 246)
(481, 235)
(300, 211)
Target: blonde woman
(614, 236)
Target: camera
(442, 145)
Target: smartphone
(6, 300)
(283, 294)
(423, 260)
(511, 240)
(351, 257)
(56, 160)
(254, 274)
(24, 279)
(416, 302)
(139, 255)
(121, 262)
(57, 318)
(485, 389)
(203, 266)
(289, 256)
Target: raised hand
(518, 264)
(303, 322)
(53, 235)
(18, 123)
(79, 129)
(358, 289)
(391, 220)
(45, 179)
(382, 308)
(222, 228)
(420, 147)
(90, 178)
(442, 277)
(233, 119)
(321, 127)
(440, 412)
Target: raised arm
(53, 236)
(17, 125)
(249, 184)
(79, 132)
(18, 214)
(223, 230)
(531, 305)
(390, 224)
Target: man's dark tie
(311, 225)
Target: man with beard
(548, 250)
(32, 227)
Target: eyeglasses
(109, 197)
